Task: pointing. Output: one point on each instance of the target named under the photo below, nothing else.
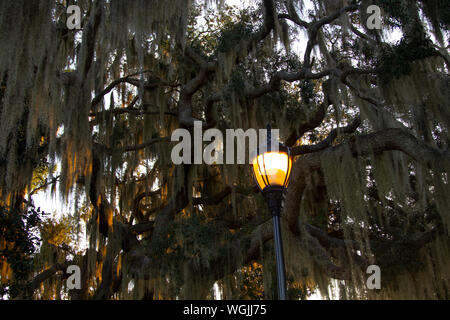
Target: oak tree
(365, 112)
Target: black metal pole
(274, 197)
(281, 274)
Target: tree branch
(314, 27)
(328, 140)
(213, 200)
(47, 274)
(374, 143)
(44, 185)
(136, 147)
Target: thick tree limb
(47, 274)
(213, 200)
(89, 35)
(136, 147)
(133, 111)
(187, 91)
(127, 79)
(247, 44)
(328, 140)
(314, 27)
(314, 121)
(385, 140)
(292, 15)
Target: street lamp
(271, 170)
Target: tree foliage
(366, 117)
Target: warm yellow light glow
(271, 168)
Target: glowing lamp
(271, 170)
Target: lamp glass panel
(271, 168)
(289, 172)
(259, 179)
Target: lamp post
(271, 170)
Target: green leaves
(18, 233)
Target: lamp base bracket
(274, 197)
